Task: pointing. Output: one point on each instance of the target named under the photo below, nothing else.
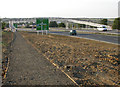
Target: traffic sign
(42, 24)
(15, 25)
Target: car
(73, 32)
(102, 28)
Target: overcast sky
(59, 8)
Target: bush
(53, 24)
(61, 25)
(104, 21)
(116, 24)
(3, 25)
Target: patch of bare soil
(7, 37)
(87, 62)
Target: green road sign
(42, 24)
(15, 25)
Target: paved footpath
(28, 67)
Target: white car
(102, 28)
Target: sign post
(42, 24)
(37, 32)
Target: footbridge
(86, 23)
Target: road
(98, 37)
(115, 31)
(106, 38)
(96, 31)
(28, 67)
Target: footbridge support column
(67, 25)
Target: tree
(31, 23)
(104, 21)
(3, 25)
(7, 25)
(0, 24)
(53, 24)
(26, 24)
(116, 24)
(61, 25)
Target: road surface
(106, 38)
(28, 67)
